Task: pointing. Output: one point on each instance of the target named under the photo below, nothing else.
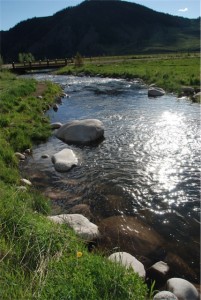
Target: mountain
(106, 27)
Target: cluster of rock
(24, 183)
(189, 91)
(78, 132)
(176, 288)
(186, 91)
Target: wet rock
(56, 125)
(179, 266)
(127, 260)
(45, 156)
(154, 91)
(64, 160)
(58, 100)
(187, 90)
(28, 151)
(25, 181)
(197, 96)
(20, 156)
(55, 107)
(81, 131)
(80, 224)
(158, 272)
(64, 95)
(183, 289)
(130, 234)
(82, 209)
(165, 295)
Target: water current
(147, 165)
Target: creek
(147, 165)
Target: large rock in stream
(155, 91)
(81, 131)
(130, 235)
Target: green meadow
(169, 71)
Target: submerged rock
(64, 160)
(128, 261)
(80, 224)
(130, 234)
(81, 131)
(82, 209)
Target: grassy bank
(39, 259)
(170, 72)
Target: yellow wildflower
(79, 254)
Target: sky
(15, 11)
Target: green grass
(167, 71)
(38, 258)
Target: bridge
(24, 67)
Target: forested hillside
(101, 28)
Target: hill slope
(101, 27)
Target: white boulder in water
(81, 131)
(64, 160)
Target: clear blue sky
(14, 11)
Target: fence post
(66, 61)
(48, 62)
(13, 64)
(30, 64)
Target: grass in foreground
(167, 71)
(38, 258)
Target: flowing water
(147, 165)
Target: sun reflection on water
(168, 148)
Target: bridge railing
(42, 64)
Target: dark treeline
(100, 28)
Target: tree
(1, 61)
(28, 57)
(78, 60)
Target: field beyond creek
(38, 259)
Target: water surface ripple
(148, 164)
